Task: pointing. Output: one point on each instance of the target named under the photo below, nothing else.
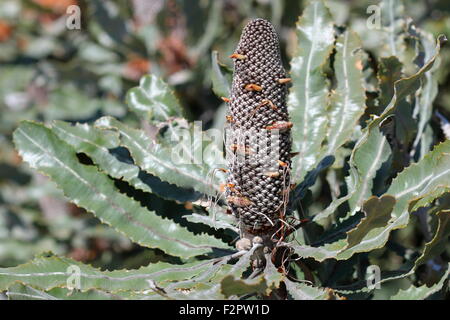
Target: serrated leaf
(233, 284)
(424, 103)
(94, 191)
(271, 275)
(409, 85)
(440, 240)
(426, 199)
(207, 285)
(153, 100)
(209, 221)
(367, 158)
(98, 143)
(378, 213)
(203, 286)
(19, 291)
(303, 291)
(402, 88)
(422, 292)
(348, 99)
(307, 101)
(157, 159)
(58, 272)
(433, 171)
(327, 251)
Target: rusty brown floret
(237, 56)
(284, 80)
(253, 87)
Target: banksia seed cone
(258, 140)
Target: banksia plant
(258, 134)
(319, 197)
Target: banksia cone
(258, 140)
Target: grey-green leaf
(422, 292)
(308, 99)
(303, 291)
(48, 272)
(162, 161)
(348, 99)
(153, 100)
(94, 191)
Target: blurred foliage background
(49, 72)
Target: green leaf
(19, 291)
(220, 83)
(231, 286)
(402, 88)
(422, 292)
(432, 172)
(424, 104)
(426, 199)
(440, 240)
(303, 291)
(367, 158)
(207, 285)
(348, 100)
(48, 272)
(153, 100)
(409, 85)
(392, 13)
(307, 102)
(98, 143)
(94, 191)
(378, 213)
(157, 159)
(271, 274)
(218, 213)
(327, 251)
(211, 222)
